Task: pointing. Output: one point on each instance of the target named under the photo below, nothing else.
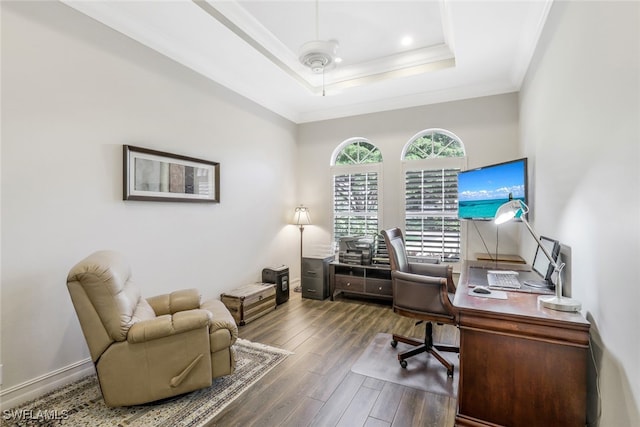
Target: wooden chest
(250, 302)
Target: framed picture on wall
(158, 176)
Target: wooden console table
(520, 364)
(367, 280)
(500, 258)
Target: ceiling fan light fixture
(319, 55)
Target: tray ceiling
(394, 54)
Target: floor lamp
(301, 218)
(507, 212)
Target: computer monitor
(541, 264)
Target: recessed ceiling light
(406, 41)
(338, 60)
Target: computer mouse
(481, 290)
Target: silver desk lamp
(507, 212)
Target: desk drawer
(349, 283)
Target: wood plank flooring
(315, 385)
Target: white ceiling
(460, 49)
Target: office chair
(421, 291)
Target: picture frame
(153, 175)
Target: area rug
(80, 403)
(423, 371)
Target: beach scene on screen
(482, 191)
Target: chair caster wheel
(394, 343)
(403, 363)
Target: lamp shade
(509, 210)
(301, 216)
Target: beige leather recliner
(148, 349)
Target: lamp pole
(299, 287)
(301, 218)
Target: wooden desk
(520, 364)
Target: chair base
(426, 346)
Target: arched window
(431, 144)
(356, 151)
(431, 162)
(357, 190)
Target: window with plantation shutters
(355, 204)
(432, 160)
(356, 189)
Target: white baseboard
(295, 285)
(36, 387)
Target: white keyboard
(501, 279)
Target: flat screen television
(483, 190)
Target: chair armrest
(428, 269)
(434, 281)
(422, 294)
(186, 299)
(167, 325)
(435, 270)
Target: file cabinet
(315, 277)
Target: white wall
(580, 120)
(73, 92)
(488, 128)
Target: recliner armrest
(221, 318)
(186, 299)
(167, 325)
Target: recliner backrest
(105, 298)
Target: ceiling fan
(319, 55)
